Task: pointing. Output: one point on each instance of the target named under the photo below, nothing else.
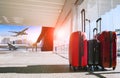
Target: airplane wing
(13, 31)
(24, 30)
(15, 35)
(19, 32)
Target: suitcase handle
(83, 19)
(89, 27)
(95, 29)
(98, 21)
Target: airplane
(11, 46)
(20, 32)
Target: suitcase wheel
(91, 68)
(74, 68)
(114, 68)
(70, 66)
(103, 68)
(86, 68)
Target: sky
(33, 32)
(5, 28)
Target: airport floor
(28, 64)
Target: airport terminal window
(111, 22)
(110, 15)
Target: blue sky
(5, 28)
(33, 32)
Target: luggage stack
(99, 52)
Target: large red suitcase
(108, 56)
(108, 48)
(78, 50)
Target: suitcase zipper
(79, 59)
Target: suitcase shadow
(37, 69)
(42, 69)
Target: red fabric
(46, 37)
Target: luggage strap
(111, 48)
(79, 45)
(81, 50)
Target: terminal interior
(45, 47)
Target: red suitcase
(78, 50)
(108, 56)
(108, 49)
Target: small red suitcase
(108, 48)
(78, 50)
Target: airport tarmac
(28, 64)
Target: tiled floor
(23, 64)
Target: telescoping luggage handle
(95, 29)
(83, 19)
(81, 43)
(98, 21)
(89, 27)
